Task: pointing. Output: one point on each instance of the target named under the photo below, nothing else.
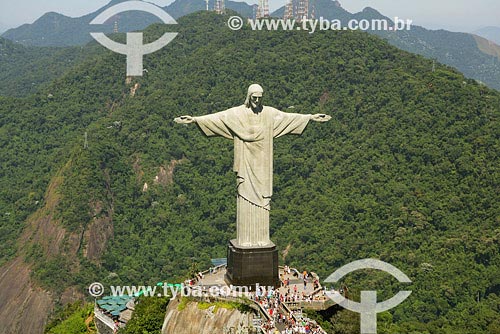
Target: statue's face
(256, 100)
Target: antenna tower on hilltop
(288, 10)
(303, 10)
(220, 7)
(263, 9)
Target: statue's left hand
(321, 118)
(184, 119)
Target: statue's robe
(253, 135)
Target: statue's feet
(257, 244)
(263, 243)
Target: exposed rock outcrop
(195, 320)
(24, 307)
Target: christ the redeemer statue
(253, 128)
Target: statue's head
(254, 97)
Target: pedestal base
(247, 266)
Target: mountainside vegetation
(460, 50)
(24, 69)
(463, 51)
(407, 171)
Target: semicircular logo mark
(134, 49)
(368, 306)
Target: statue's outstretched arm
(185, 119)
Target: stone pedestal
(247, 266)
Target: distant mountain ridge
(54, 29)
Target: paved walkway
(214, 278)
(297, 281)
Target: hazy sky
(456, 15)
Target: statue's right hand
(184, 119)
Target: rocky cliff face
(26, 305)
(194, 319)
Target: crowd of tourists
(288, 321)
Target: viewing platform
(311, 296)
(279, 308)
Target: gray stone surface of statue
(253, 127)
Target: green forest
(25, 69)
(407, 171)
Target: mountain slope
(463, 51)
(490, 33)
(488, 47)
(23, 70)
(406, 171)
